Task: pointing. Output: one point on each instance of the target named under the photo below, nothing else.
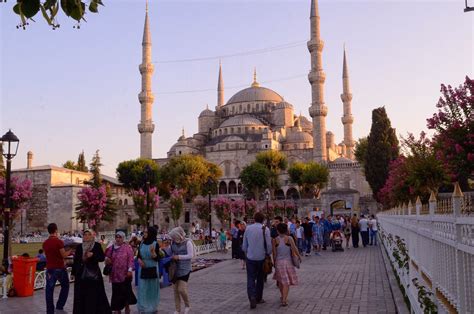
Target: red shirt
(51, 248)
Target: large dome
(255, 93)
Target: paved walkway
(354, 281)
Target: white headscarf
(177, 235)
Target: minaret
(347, 119)
(146, 97)
(220, 88)
(318, 109)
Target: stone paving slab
(354, 281)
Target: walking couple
(258, 246)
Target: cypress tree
(95, 170)
(2, 166)
(382, 148)
(81, 163)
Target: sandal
(284, 303)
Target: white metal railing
(440, 242)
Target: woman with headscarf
(355, 231)
(89, 291)
(148, 278)
(119, 256)
(182, 250)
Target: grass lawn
(20, 248)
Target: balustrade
(439, 237)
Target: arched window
(225, 131)
(120, 202)
(222, 188)
(232, 187)
(257, 107)
(240, 108)
(248, 107)
(239, 130)
(279, 194)
(292, 193)
(125, 202)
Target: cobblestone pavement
(354, 281)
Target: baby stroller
(336, 241)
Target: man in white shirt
(364, 230)
(373, 230)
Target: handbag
(172, 268)
(149, 273)
(267, 262)
(108, 268)
(295, 257)
(90, 273)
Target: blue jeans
(307, 245)
(300, 245)
(255, 278)
(373, 237)
(53, 275)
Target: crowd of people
(263, 247)
(121, 259)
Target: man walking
(364, 230)
(55, 269)
(373, 230)
(257, 244)
(308, 234)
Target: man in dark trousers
(308, 235)
(234, 231)
(257, 244)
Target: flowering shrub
(20, 193)
(94, 206)
(454, 126)
(251, 208)
(202, 209)
(222, 206)
(140, 202)
(176, 203)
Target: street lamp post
(267, 198)
(148, 211)
(209, 185)
(12, 142)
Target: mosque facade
(258, 119)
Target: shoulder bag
(108, 268)
(295, 257)
(267, 263)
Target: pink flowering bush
(94, 206)
(222, 206)
(202, 209)
(176, 204)
(140, 202)
(454, 126)
(20, 193)
(396, 189)
(251, 208)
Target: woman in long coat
(89, 291)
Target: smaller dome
(241, 120)
(232, 138)
(284, 105)
(207, 113)
(305, 123)
(299, 137)
(343, 160)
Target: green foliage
(75, 9)
(382, 148)
(360, 151)
(95, 165)
(255, 177)
(132, 174)
(309, 176)
(425, 172)
(189, 173)
(425, 298)
(70, 165)
(275, 162)
(81, 163)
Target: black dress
(240, 239)
(89, 295)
